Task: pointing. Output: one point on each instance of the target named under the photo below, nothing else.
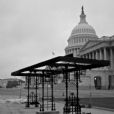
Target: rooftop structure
(58, 65)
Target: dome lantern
(82, 16)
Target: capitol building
(84, 42)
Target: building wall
(102, 49)
(104, 74)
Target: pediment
(90, 43)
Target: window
(97, 82)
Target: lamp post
(47, 94)
(90, 93)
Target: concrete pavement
(16, 108)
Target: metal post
(52, 107)
(28, 80)
(66, 84)
(42, 107)
(77, 86)
(47, 94)
(78, 109)
(90, 93)
(36, 104)
(66, 89)
(72, 102)
(20, 89)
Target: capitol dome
(83, 28)
(81, 33)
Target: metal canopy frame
(59, 65)
(73, 64)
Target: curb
(102, 108)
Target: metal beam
(78, 63)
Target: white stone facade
(84, 43)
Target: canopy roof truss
(58, 65)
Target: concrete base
(48, 112)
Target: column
(100, 54)
(105, 53)
(89, 56)
(97, 57)
(93, 57)
(112, 58)
(76, 51)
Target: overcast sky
(30, 30)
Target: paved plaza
(10, 104)
(92, 110)
(17, 108)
